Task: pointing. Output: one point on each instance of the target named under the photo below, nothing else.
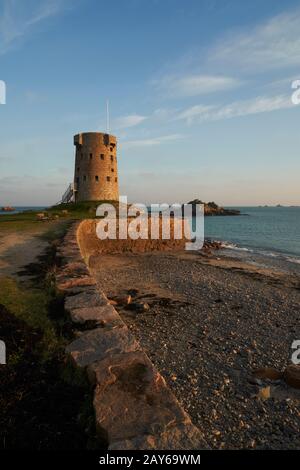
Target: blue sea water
(265, 234)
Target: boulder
(131, 398)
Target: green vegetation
(55, 215)
(31, 306)
(45, 403)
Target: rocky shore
(208, 325)
(212, 209)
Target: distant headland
(212, 209)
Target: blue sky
(199, 91)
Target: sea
(265, 236)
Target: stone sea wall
(90, 244)
(134, 408)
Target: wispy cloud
(152, 141)
(260, 104)
(274, 43)
(18, 18)
(193, 85)
(130, 120)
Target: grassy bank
(28, 220)
(44, 403)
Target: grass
(27, 221)
(44, 402)
(31, 306)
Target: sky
(199, 94)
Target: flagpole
(107, 116)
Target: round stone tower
(96, 171)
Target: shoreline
(280, 261)
(209, 322)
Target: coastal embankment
(207, 324)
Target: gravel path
(206, 330)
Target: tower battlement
(96, 170)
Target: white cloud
(17, 18)
(260, 104)
(193, 85)
(272, 44)
(152, 141)
(193, 112)
(130, 120)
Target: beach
(208, 322)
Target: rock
(68, 283)
(132, 399)
(264, 393)
(212, 209)
(91, 298)
(267, 373)
(105, 314)
(292, 375)
(124, 300)
(182, 437)
(97, 344)
(139, 306)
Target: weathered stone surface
(105, 314)
(65, 283)
(97, 344)
(103, 148)
(182, 437)
(292, 375)
(87, 298)
(131, 398)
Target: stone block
(131, 398)
(65, 283)
(105, 314)
(87, 298)
(96, 345)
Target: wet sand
(210, 323)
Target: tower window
(112, 170)
(84, 178)
(112, 158)
(102, 156)
(97, 178)
(91, 156)
(108, 178)
(116, 179)
(78, 168)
